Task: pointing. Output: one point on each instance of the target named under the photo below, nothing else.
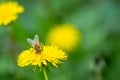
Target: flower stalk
(45, 74)
(98, 75)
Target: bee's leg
(31, 51)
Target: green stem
(98, 74)
(13, 48)
(45, 74)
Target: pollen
(49, 54)
(65, 36)
(9, 12)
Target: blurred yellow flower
(9, 12)
(49, 54)
(65, 36)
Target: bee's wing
(30, 41)
(36, 39)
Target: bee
(35, 43)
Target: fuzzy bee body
(38, 48)
(35, 44)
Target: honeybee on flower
(40, 55)
(35, 43)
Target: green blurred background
(96, 57)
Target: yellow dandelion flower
(50, 54)
(9, 12)
(65, 36)
(41, 55)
